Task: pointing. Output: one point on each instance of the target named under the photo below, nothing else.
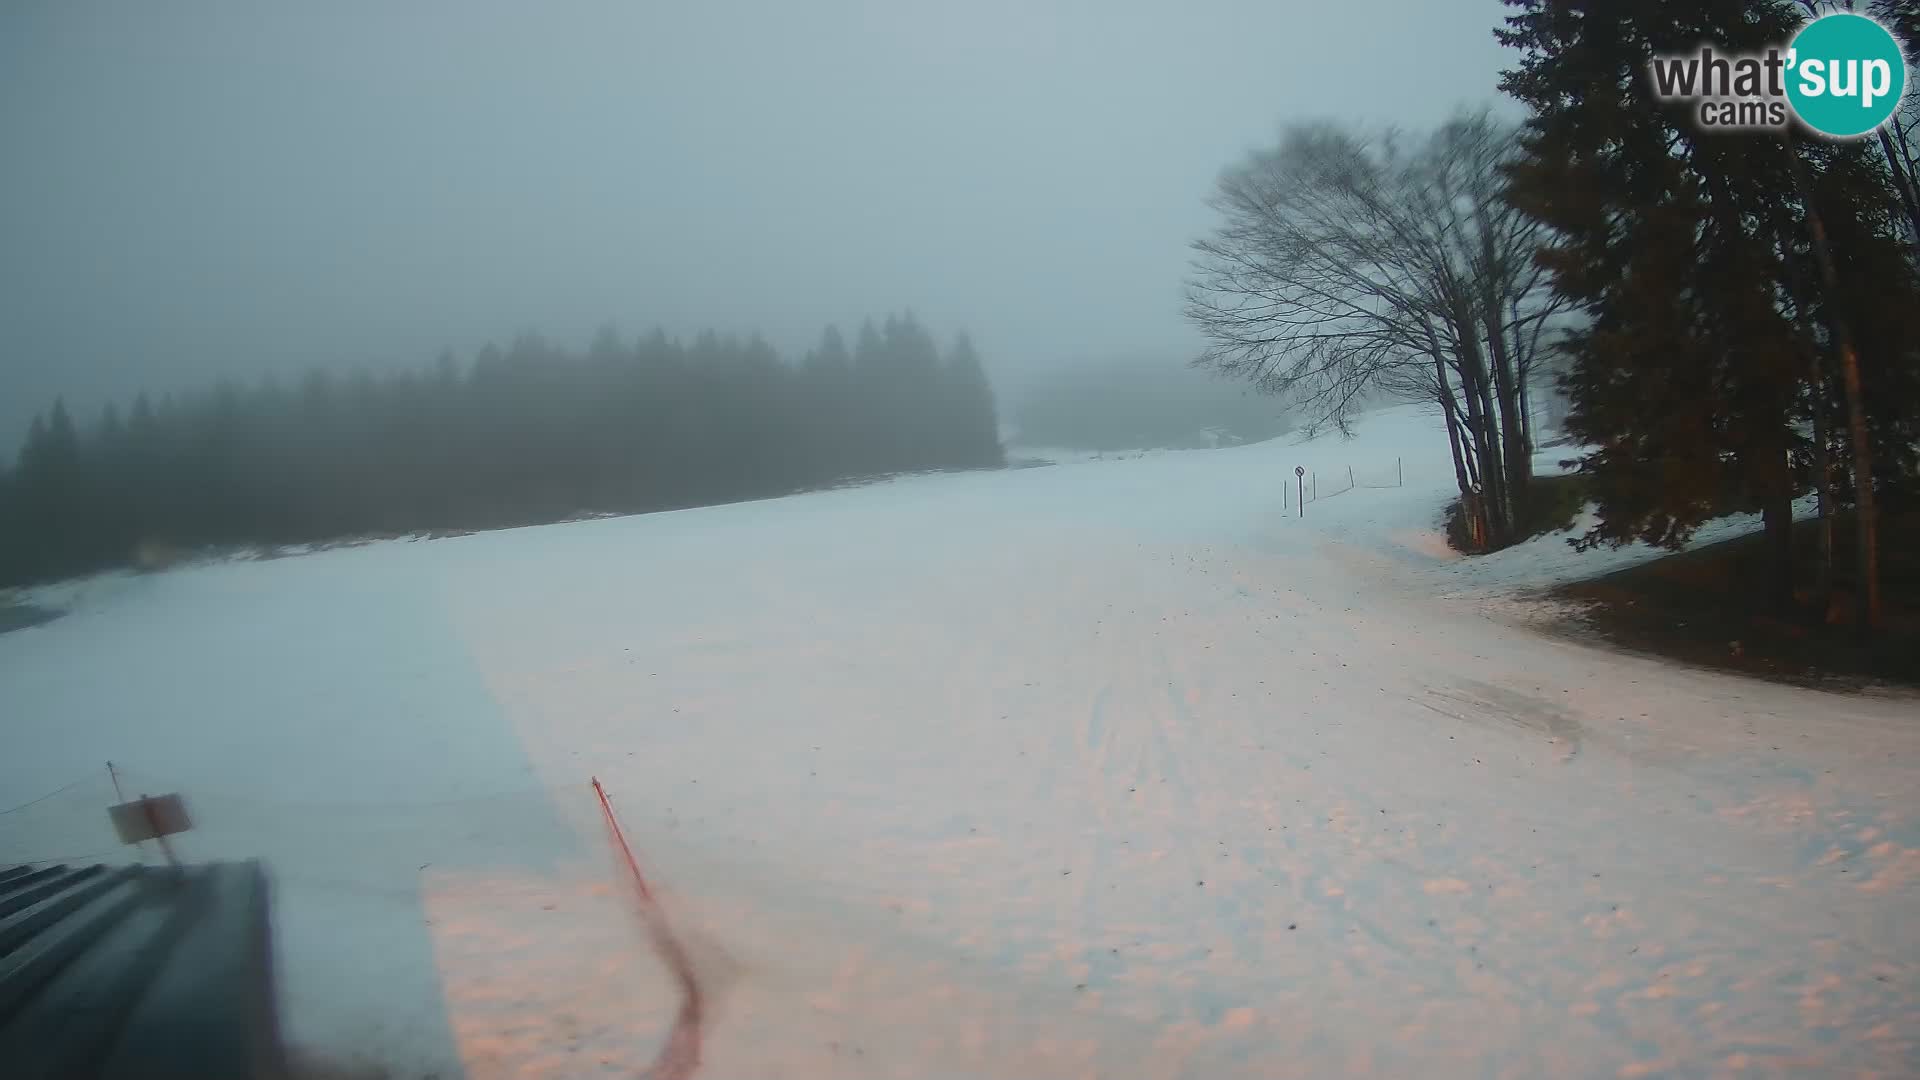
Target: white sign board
(149, 818)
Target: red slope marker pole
(680, 1057)
(620, 844)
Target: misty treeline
(1127, 405)
(1734, 318)
(526, 434)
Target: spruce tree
(1750, 298)
(969, 403)
(1687, 377)
(828, 401)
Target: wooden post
(159, 834)
(1399, 477)
(120, 797)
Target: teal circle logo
(1846, 75)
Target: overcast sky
(191, 189)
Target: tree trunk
(1513, 437)
(1506, 381)
(1494, 475)
(1774, 486)
(1822, 447)
(1903, 182)
(1470, 423)
(1776, 516)
(1867, 521)
(1473, 508)
(1444, 392)
(1526, 418)
(1866, 524)
(1480, 422)
(1460, 478)
(1466, 452)
(1823, 490)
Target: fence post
(1316, 487)
(1399, 477)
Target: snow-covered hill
(1114, 768)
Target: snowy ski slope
(1110, 768)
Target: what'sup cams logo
(1842, 75)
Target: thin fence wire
(61, 790)
(1379, 476)
(1336, 485)
(369, 846)
(1313, 488)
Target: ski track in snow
(1113, 768)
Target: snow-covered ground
(1112, 768)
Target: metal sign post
(1299, 473)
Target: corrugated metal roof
(131, 971)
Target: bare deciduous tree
(1345, 265)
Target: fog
(194, 189)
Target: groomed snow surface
(1107, 769)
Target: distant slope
(1137, 406)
